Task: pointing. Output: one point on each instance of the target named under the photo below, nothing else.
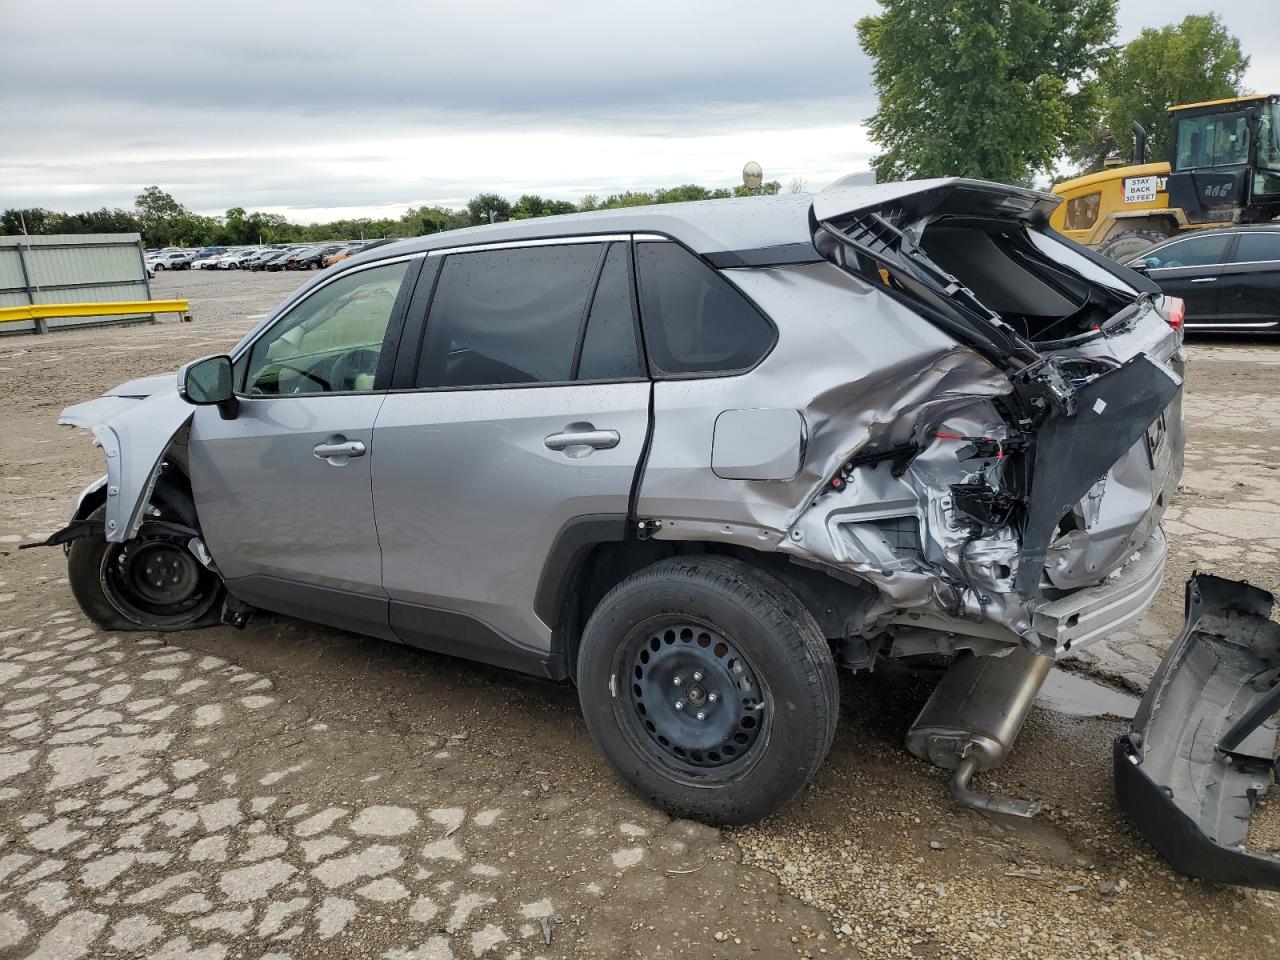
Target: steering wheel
(320, 381)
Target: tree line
(164, 222)
(1006, 90)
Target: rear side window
(1194, 252)
(694, 320)
(1257, 246)
(1082, 212)
(503, 317)
(609, 348)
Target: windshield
(1215, 140)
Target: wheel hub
(161, 572)
(696, 698)
(153, 579)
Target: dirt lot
(294, 791)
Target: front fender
(133, 434)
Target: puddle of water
(1079, 696)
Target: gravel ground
(294, 791)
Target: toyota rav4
(693, 458)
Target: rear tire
(1123, 247)
(709, 688)
(110, 582)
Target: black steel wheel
(152, 583)
(694, 696)
(680, 671)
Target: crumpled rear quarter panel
(858, 366)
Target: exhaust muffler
(972, 719)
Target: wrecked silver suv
(693, 457)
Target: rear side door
(283, 489)
(1192, 269)
(1249, 290)
(511, 443)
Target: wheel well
(1167, 225)
(838, 605)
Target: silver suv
(692, 457)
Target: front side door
(519, 432)
(283, 489)
(1250, 284)
(1192, 269)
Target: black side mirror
(208, 382)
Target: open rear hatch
(978, 261)
(1202, 749)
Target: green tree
(767, 189)
(488, 208)
(532, 205)
(35, 219)
(1195, 60)
(686, 192)
(982, 89)
(630, 198)
(419, 221)
(161, 218)
(237, 229)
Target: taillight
(1177, 312)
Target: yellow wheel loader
(1224, 169)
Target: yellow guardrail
(116, 308)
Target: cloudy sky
(339, 108)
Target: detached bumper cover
(1202, 747)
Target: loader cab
(1225, 160)
(1223, 168)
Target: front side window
(695, 321)
(330, 342)
(1255, 247)
(1219, 140)
(1266, 181)
(508, 317)
(1194, 252)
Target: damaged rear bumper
(1088, 614)
(1202, 747)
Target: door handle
(347, 448)
(599, 439)
(1204, 279)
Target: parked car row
(308, 256)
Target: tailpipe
(972, 719)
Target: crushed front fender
(133, 434)
(1202, 749)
